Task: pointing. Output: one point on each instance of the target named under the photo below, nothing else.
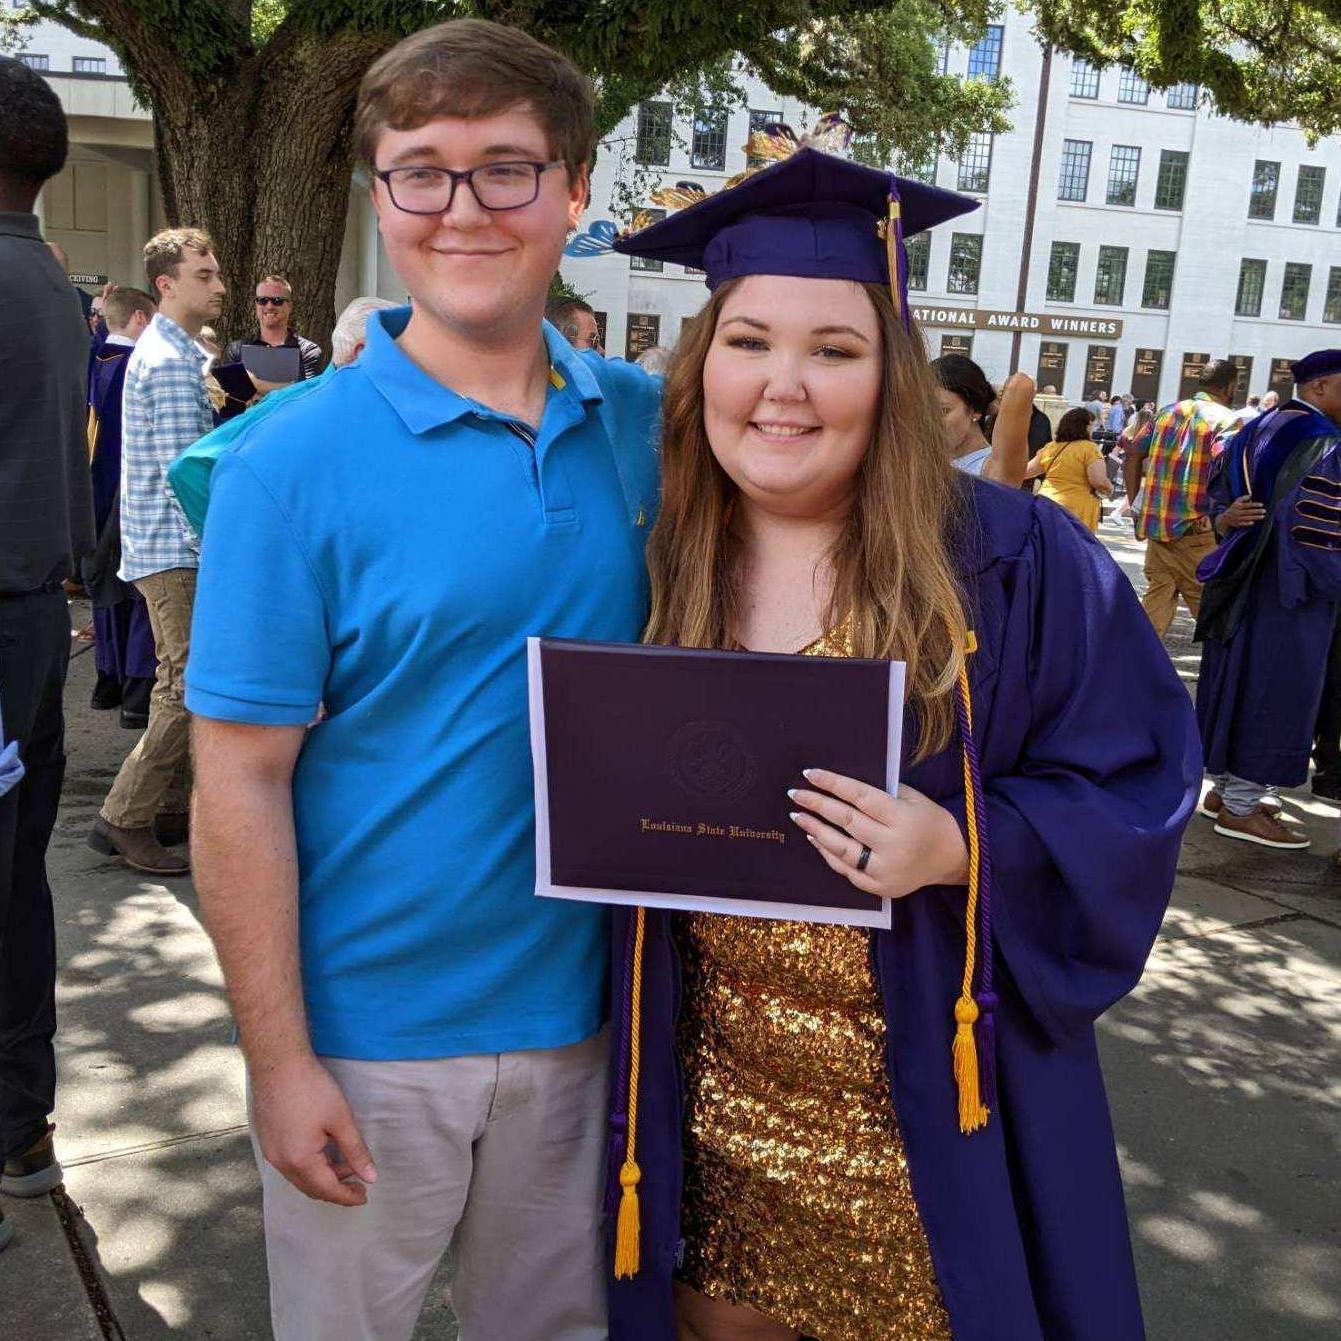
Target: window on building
(760, 120)
(1158, 287)
(920, 170)
(1331, 306)
(975, 167)
(1084, 79)
(1132, 88)
(984, 58)
(965, 263)
(1294, 291)
(1171, 184)
(645, 217)
(1110, 277)
(34, 60)
(942, 46)
(1308, 194)
(1262, 200)
(1063, 264)
(654, 133)
(90, 65)
(1182, 97)
(1074, 180)
(1252, 284)
(1124, 167)
(707, 149)
(918, 248)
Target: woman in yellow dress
(1072, 468)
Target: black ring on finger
(864, 860)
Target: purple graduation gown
(1263, 664)
(124, 640)
(1085, 812)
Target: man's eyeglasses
(496, 186)
(268, 302)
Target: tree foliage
(1266, 61)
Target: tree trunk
(262, 162)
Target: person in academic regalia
(123, 649)
(851, 1134)
(1269, 603)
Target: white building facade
(1145, 237)
(1161, 235)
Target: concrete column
(137, 225)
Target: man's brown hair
(165, 251)
(472, 68)
(122, 304)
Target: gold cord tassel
(627, 1226)
(964, 1052)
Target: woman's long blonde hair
(892, 568)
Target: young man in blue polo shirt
(423, 1037)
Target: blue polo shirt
(383, 547)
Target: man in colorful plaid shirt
(1169, 464)
(165, 409)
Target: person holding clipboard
(847, 1133)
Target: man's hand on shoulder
(307, 1132)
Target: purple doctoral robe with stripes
(1084, 813)
(1269, 600)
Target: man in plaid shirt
(1170, 464)
(165, 409)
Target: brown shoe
(1213, 803)
(138, 848)
(1260, 827)
(31, 1172)
(172, 828)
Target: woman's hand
(913, 842)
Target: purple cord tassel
(984, 1034)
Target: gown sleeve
(1311, 518)
(1085, 824)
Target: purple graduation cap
(813, 216)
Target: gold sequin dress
(796, 1200)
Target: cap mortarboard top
(1320, 363)
(812, 216)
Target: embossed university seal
(711, 761)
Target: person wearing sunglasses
(274, 327)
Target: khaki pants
(497, 1157)
(156, 775)
(1171, 572)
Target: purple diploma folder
(661, 774)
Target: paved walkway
(1223, 1070)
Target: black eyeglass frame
(468, 176)
(265, 300)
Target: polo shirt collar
(423, 403)
(15, 223)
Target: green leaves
(1260, 60)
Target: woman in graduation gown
(845, 1134)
